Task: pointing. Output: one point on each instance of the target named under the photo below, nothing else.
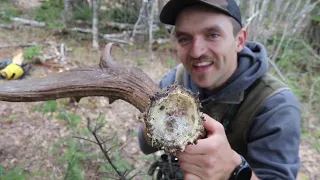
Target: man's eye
(213, 36)
(183, 40)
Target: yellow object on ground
(12, 71)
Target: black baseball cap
(171, 10)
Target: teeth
(202, 64)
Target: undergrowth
(77, 152)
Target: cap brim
(171, 10)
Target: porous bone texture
(173, 119)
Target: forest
(96, 138)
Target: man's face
(206, 46)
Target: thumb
(211, 125)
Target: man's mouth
(202, 66)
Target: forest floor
(37, 142)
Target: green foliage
(316, 145)
(32, 52)
(1, 170)
(52, 3)
(14, 174)
(161, 33)
(7, 10)
(171, 63)
(122, 15)
(118, 161)
(50, 10)
(140, 62)
(72, 156)
(298, 66)
(48, 107)
(55, 25)
(316, 133)
(71, 119)
(316, 18)
(83, 13)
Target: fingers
(210, 144)
(212, 126)
(201, 161)
(189, 176)
(204, 146)
(191, 172)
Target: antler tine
(106, 59)
(110, 79)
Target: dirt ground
(27, 136)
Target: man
(252, 119)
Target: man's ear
(241, 40)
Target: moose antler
(108, 79)
(171, 115)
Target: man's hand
(210, 158)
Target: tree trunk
(95, 24)
(160, 5)
(152, 4)
(67, 15)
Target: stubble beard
(202, 77)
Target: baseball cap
(171, 10)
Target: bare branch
(19, 45)
(105, 153)
(118, 40)
(134, 175)
(84, 139)
(8, 26)
(312, 91)
(250, 19)
(310, 49)
(81, 30)
(28, 22)
(284, 35)
(277, 70)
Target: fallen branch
(161, 41)
(122, 26)
(28, 22)
(45, 58)
(109, 37)
(19, 45)
(119, 41)
(8, 26)
(118, 35)
(81, 30)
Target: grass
(139, 61)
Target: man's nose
(198, 48)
